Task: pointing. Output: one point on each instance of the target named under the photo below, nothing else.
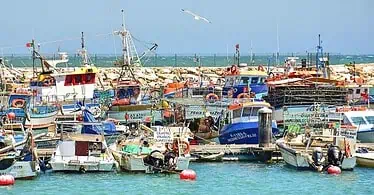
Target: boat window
(370, 119)
(90, 78)
(250, 111)
(237, 113)
(244, 80)
(358, 91)
(230, 81)
(68, 80)
(254, 80)
(350, 91)
(358, 120)
(78, 79)
(262, 80)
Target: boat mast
(84, 52)
(320, 62)
(33, 57)
(129, 54)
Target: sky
(346, 26)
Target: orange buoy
(6, 180)
(335, 170)
(187, 174)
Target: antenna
(277, 57)
(82, 40)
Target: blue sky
(346, 26)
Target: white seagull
(197, 17)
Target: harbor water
(212, 178)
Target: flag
(237, 46)
(29, 44)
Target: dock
(238, 152)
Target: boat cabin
(245, 82)
(361, 119)
(244, 112)
(126, 93)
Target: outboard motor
(317, 156)
(334, 155)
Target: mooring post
(265, 126)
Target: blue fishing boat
(23, 111)
(245, 83)
(242, 123)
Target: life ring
(211, 96)
(18, 103)
(261, 68)
(186, 150)
(243, 95)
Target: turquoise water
(212, 178)
(188, 60)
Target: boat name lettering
(241, 135)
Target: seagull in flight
(197, 17)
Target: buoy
(334, 170)
(187, 174)
(11, 116)
(6, 180)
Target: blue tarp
(108, 128)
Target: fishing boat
(25, 111)
(161, 153)
(82, 153)
(319, 145)
(365, 158)
(241, 82)
(244, 81)
(242, 123)
(21, 164)
(130, 102)
(361, 118)
(69, 84)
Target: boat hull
(21, 170)
(135, 163)
(101, 166)
(241, 133)
(292, 158)
(41, 121)
(365, 160)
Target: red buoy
(11, 116)
(6, 180)
(334, 170)
(187, 174)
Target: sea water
(179, 60)
(212, 178)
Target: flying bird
(197, 17)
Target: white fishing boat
(20, 164)
(318, 146)
(69, 84)
(82, 153)
(365, 158)
(161, 153)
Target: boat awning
(84, 137)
